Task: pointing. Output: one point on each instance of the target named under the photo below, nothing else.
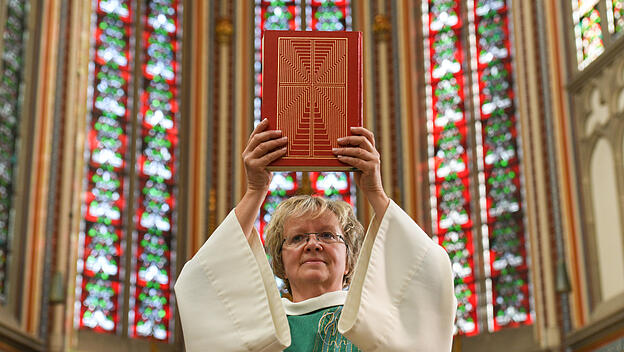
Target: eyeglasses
(325, 237)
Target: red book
(312, 91)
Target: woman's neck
(302, 293)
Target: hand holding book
(358, 150)
(263, 147)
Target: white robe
(401, 296)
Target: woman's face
(314, 267)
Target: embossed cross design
(312, 94)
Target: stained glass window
(283, 185)
(328, 15)
(286, 15)
(588, 31)
(332, 185)
(498, 165)
(106, 240)
(158, 112)
(615, 13)
(488, 188)
(448, 152)
(11, 68)
(100, 283)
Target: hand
(359, 151)
(262, 148)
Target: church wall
(540, 164)
(412, 80)
(598, 130)
(595, 131)
(559, 60)
(24, 316)
(69, 165)
(364, 23)
(194, 195)
(229, 117)
(607, 221)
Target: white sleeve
(227, 296)
(401, 297)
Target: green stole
(317, 331)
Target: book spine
(262, 114)
(361, 80)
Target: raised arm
(262, 148)
(359, 151)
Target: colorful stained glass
(151, 307)
(618, 15)
(11, 68)
(100, 288)
(588, 31)
(332, 185)
(449, 168)
(283, 186)
(497, 177)
(615, 13)
(279, 14)
(328, 15)
(99, 285)
(505, 256)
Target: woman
(314, 243)
(400, 296)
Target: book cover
(312, 91)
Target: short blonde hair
(352, 230)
